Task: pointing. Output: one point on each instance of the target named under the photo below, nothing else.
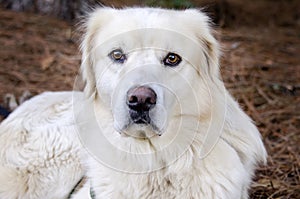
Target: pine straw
(260, 68)
(37, 54)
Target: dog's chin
(140, 130)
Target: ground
(260, 67)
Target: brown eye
(117, 56)
(172, 59)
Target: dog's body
(39, 150)
(152, 81)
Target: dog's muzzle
(140, 101)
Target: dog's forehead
(137, 28)
(167, 23)
(150, 17)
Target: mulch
(260, 66)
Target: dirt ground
(260, 67)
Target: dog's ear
(202, 26)
(212, 55)
(91, 26)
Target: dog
(154, 119)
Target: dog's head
(153, 79)
(149, 67)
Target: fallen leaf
(47, 61)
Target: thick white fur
(39, 151)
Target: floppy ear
(87, 62)
(212, 55)
(201, 25)
(238, 130)
(91, 27)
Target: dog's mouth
(140, 117)
(140, 125)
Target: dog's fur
(39, 150)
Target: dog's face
(151, 67)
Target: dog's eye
(172, 59)
(117, 56)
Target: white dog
(154, 116)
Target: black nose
(141, 99)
